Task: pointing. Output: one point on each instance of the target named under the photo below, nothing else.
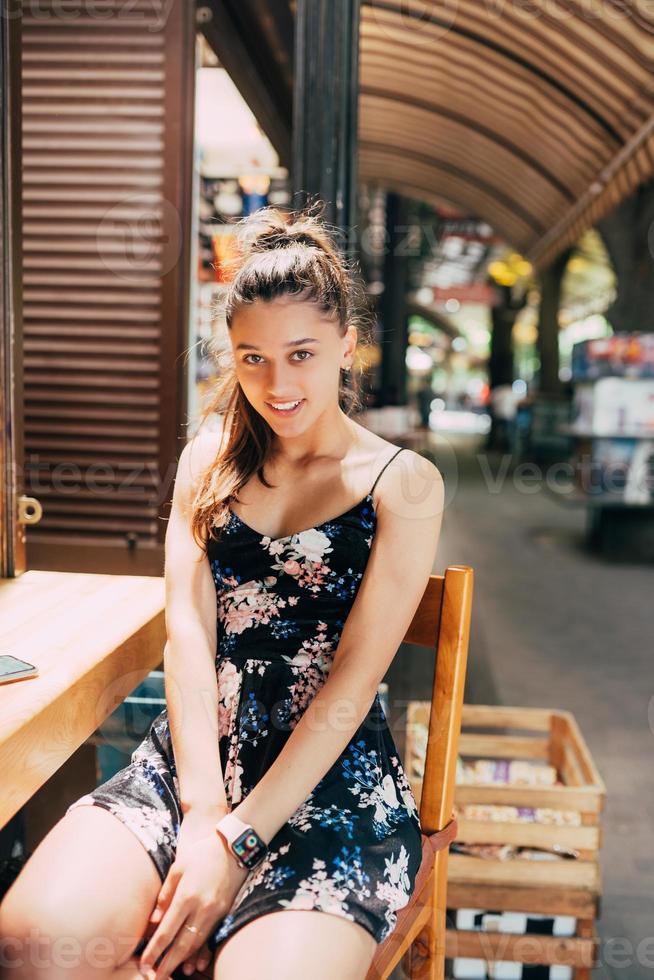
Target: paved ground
(556, 626)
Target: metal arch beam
(632, 165)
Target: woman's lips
(286, 412)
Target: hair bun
(270, 228)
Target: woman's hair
(279, 254)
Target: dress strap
(384, 467)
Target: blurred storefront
(237, 171)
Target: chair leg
(425, 960)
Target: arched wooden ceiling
(537, 118)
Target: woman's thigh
(296, 944)
(82, 900)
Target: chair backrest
(442, 623)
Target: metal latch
(30, 510)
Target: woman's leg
(296, 944)
(79, 907)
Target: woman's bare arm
(396, 576)
(189, 656)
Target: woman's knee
(49, 942)
(295, 944)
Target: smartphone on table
(14, 669)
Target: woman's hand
(199, 889)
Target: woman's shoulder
(379, 449)
(407, 474)
(201, 451)
(374, 445)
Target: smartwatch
(242, 839)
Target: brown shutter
(108, 92)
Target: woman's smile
(286, 408)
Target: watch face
(248, 847)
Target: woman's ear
(352, 335)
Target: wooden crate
(569, 887)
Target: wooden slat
(506, 716)
(525, 834)
(503, 747)
(587, 800)
(587, 765)
(583, 875)
(544, 900)
(426, 622)
(530, 948)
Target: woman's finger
(185, 944)
(204, 958)
(197, 951)
(166, 893)
(198, 961)
(165, 934)
(190, 964)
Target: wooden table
(93, 638)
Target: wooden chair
(442, 623)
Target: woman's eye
(310, 353)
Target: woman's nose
(278, 381)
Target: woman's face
(286, 351)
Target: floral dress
(353, 847)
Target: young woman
(271, 782)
